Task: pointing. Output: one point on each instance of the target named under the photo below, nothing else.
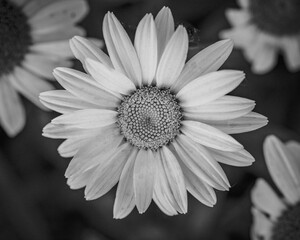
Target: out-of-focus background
(37, 204)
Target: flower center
(288, 225)
(278, 17)
(150, 117)
(14, 36)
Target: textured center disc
(278, 17)
(14, 36)
(150, 117)
(288, 225)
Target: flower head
(264, 28)
(148, 120)
(278, 217)
(33, 40)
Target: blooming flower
(278, 217)
(33, 41)
(264, 28)
(148, 120)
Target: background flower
(33, 40)
(276, 217)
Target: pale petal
(120, 49)
(243, 3)
(43, 65)
(210, 136)
(283, 168)
(109, 78)
(241, 158)
(266, 200)
(291, 53)
(175, 177)
(265, 60)
(96, 151)
(262, 226)
(145, 43)
(57, 13)
(162, 194)
(83, 48)
(208, 60)
(199, 189)
(70, 146)
(143, 179)
(124, 201)
(87, 118)
(165, 28)
(80, 180)
(209, 87)
(223, 108)
(294, 149)
(107, 173)
(199, 161)
(237, 17)
(57, 48)
(64, 102)
(246, 123)
(64, 32)
(12, 114)
(85, 87)
(173, 58)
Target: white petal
(266, 200)
(124, 202)
(96, 151)
(283, 168)
(243, 3)
(294, 149)
(12, 114)
(175, 177)
(291, 51)
(265, 60)
(87, 118)
(208, 60)
(223, 108)
(143, 179)
(162, 194)
(70, 146)
(246, 123)
(262, 226)
(64, 102)
(57, 48)
(199, 161)
(85, 87)
(165, 28)
(209, 87)
(62, 33)
(107, 173)
(210, 136)
(173, 58)
(120, 49)
(80, 180)
(83, 48)
(199, 189)
(30, 85)
(145, 43)
(57, 13)
(237, 17)
(109, 78)
(240, 158)
(43, 65)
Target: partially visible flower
(34, 36)
(262, 29)
(278, 217)
(148, 120)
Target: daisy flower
(34, 38)
(278, 217)
(148, 120)
(262, 29)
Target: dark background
(37, 204)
